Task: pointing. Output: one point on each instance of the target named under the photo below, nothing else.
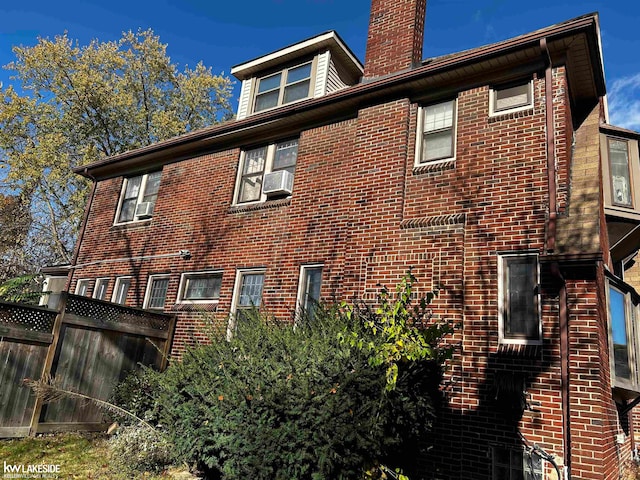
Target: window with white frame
(138, 197)
(248, 292)
(156, 294)
(200, 287)
(285, 86)
(437, 132)
(120, 290)
(82, 287)
(518, 290)
(620, 172)
(309, 290)
(511, 97)
(100, 290)
(515, 464)
(266, 171)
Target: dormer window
(286, 86)
(309, 69)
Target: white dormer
(308, 69)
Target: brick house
(493, 172)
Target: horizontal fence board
(72, 319)
(72, 427)
(14, 432)
(12, 333)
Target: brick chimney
(396, 30)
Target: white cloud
(624, 102)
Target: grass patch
(81, 456)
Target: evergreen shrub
(335, 398)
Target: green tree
(77, 104)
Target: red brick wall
(395, 38)
(360, 207)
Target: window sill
(131, 225)
(511, 114)
(434, 167)
(260, 206)
(209, 306)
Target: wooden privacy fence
(88, 346)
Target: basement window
(515, 464)
(156, 294)
(200, 287)
(512, 97)
(309, 291)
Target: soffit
(574, 43)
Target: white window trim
(116, 288)
(492, 95)
(82, 281)
(236, 294)
(147, 293)
(183, 283)
(97, 284)
(143, 186)
(268, 168)
(502, 257)
(420, 136)
(256, 85)
(301, 284)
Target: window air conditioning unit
(278, 183)
(144, 209)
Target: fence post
(164, 361)
(48, 363)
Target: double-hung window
(156, 295)
(120, 290)
(100, 290)
(82, 287)
(512, 97)
(286, 86)
(309, 290)
(518, 287)
(200, 287)
(437, 132)
(266, 171)
(138, 197)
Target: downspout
(85, 219)
(563, 317)
(551, 154)
(563, 320)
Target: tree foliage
(311, 402)
(77, 104)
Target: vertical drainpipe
(563, 318)
(85, 218)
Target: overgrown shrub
(139, 448)
(137, 394)
(330, 399)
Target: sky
(225, 33)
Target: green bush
(313, 402)
(137, 394)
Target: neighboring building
(492, 172)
